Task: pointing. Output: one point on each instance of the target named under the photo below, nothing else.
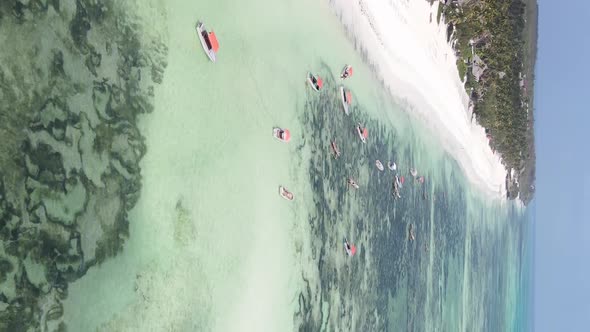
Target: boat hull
(391, 166)
(200, 27)
(345, 105)
(284, 194)
(343, 73)
(276, 134)
(360, 133)
(379, 165)
(348, 252)
(310, 82)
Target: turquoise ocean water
(212, 246)
(251, 261)
(468, 268)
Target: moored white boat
(362, 132)
(208, 41)
(282, 135)
(315, 82)
(346, 98)
(349, 248)
(392, 166)
(379, 165)
(346, 72)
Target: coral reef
(74, 77)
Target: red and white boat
(315, 81)
(286, 194)
(335, 149)
(283, 135)
(362, 132)
(346, 98)
(349, 248)
(208, 41)
(346, 72)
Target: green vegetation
(462, 68)
(501, 33)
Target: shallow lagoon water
(213, 247)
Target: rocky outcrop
(74, 77)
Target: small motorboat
(362, 132)
(315, 82)
(286, 194)
(392, 166)
(413, 172)
(346, 72)
(282, 135)
(411, 233)
(349, 248)
(352, 183)
(335, 149)
(379, 165)
(346, 98)
(208, 41)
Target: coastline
(181, 226)
(423, 77)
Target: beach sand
(410, 53)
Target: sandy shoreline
(410, 54)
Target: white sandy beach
(423, 75)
